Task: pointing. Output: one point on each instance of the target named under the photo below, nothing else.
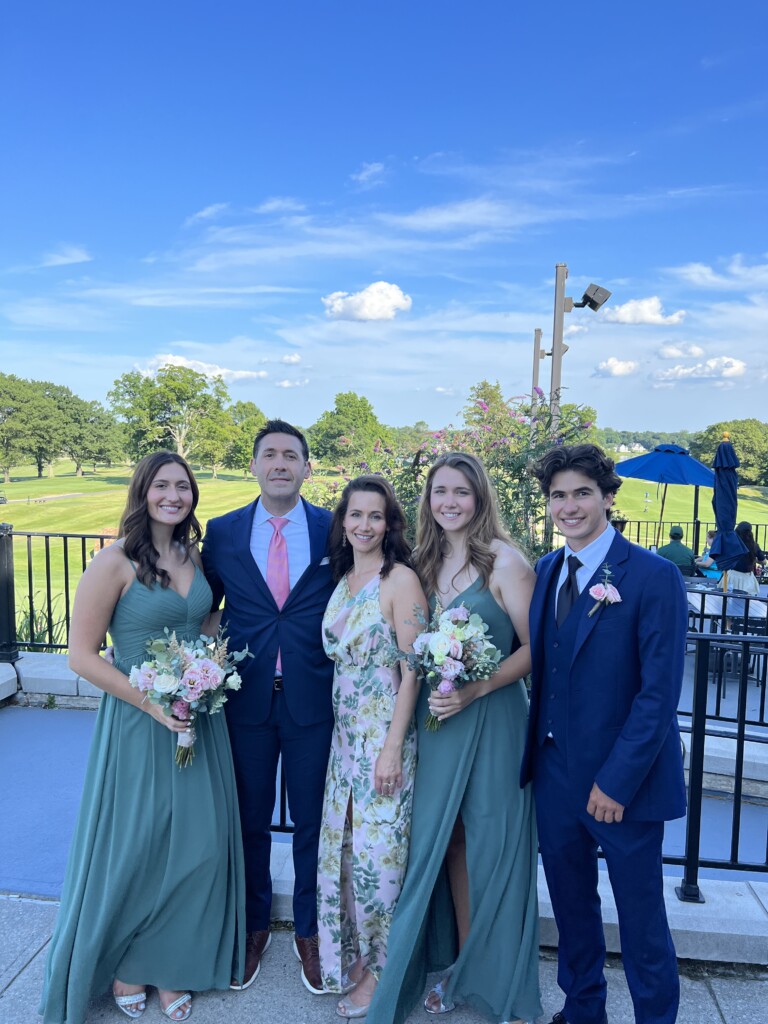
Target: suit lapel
(549, 570)
(318, 543)
(241, 539)
(617, 555)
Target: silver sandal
(125, 1003)
(170, 1010)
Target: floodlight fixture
(594, 297)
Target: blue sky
(314, 197)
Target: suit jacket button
(554, 671)
(556, 644)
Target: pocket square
(325, 561)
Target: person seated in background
(678, 553)
(742, 575)
(710, 570)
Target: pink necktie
(278, 579)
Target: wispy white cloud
(293, 359)
(738, 275)
(613, 367)
(51, 314)
(370, 175)
(206, 214)
(180, 296)
(292, 383)
(445, 392)
(643, 311)
(572, 329)
(209, 369)
(721, 367)
(280, 204)
(65, 255)
(483, 212)
(379, 301)
(680, 351)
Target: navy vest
(558, 655)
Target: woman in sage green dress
(468, 908)
(154, 888)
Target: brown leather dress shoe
(308, 951)
(256, 945)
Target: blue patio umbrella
(727, 547)
(669, 464)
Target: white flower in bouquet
(439, 646)
(165, 683)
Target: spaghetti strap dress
(154, 890)
(361, 866)
(470, 766)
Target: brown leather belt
(278, 683)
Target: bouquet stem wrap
(185, 747)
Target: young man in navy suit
(608, 625)
(283, 708)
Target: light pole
(594, 297)
(538, 355)
(558, 348)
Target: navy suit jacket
(624, 684)
(252, 617)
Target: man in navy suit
(608, 625)
(284, 705)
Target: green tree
(750, 441)
(91, 434)
(14, 402)
(248, 420)
(348, 434)
(46, 424)
(214, 438)
(168, 410)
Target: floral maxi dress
(361, 869)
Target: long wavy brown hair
(135, 524)
(484, 528)
(395, 547)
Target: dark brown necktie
(569, 591)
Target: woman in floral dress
(372, 617)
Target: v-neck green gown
(154, 890)
(471, 766)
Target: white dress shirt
(296, 535)
(592, 558)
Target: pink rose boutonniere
(605, 592)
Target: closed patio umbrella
(727, 547)
(669, 464)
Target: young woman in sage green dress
(468, 907)
(372, 617)
(154, 889)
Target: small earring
(343, 540)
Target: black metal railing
(645, 532)
(749, 653)
(39, 573)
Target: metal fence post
(9, 649)
(688, 891)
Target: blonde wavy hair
(484, 528)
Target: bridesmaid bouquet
(454, 650)
(188, 678)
